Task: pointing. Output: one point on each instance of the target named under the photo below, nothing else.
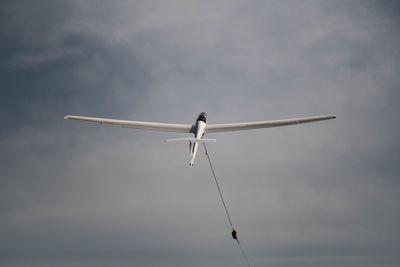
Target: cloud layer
(75, 194)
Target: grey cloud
(77, 194)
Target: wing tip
(67, 117)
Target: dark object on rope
(234, 233)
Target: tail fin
(193, 140)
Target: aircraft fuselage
(201, 123)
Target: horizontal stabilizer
(193, 140)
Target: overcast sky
(319, 194)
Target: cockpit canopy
(202, 117)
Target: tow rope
(234, 233)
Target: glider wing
(214, 128)
(169, 127)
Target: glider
(200, 128)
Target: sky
(318, 194)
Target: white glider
(199, 128)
